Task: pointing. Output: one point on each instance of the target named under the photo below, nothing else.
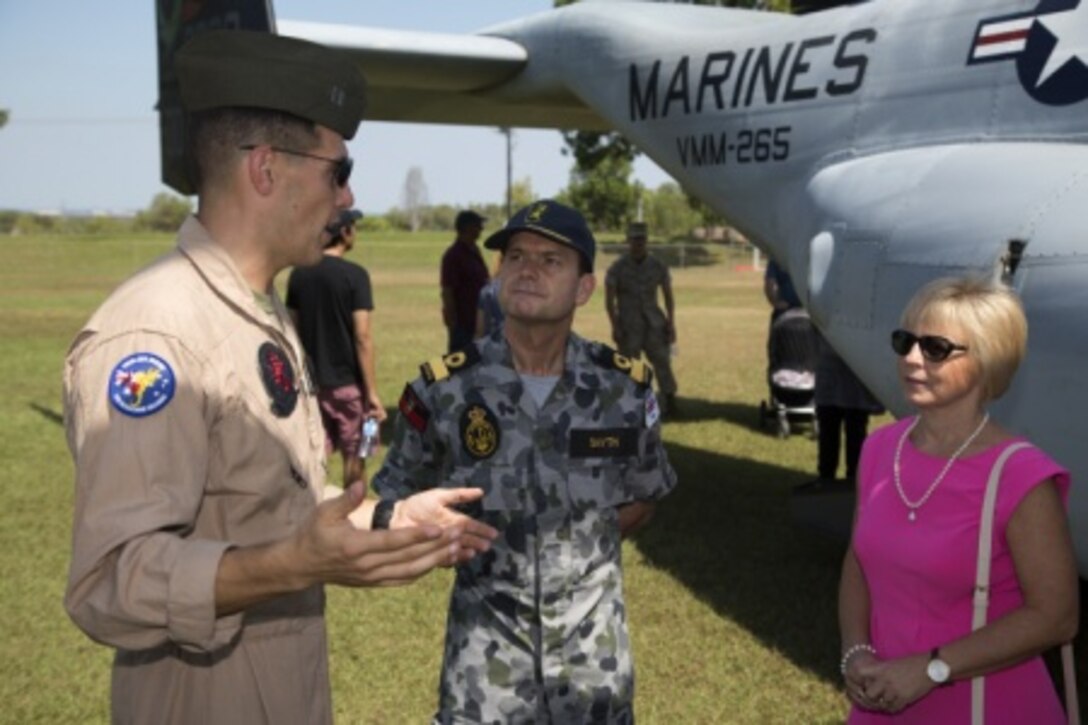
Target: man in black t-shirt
(331, 304)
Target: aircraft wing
(446, 78)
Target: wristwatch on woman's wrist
(938, 670)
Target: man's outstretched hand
(436, 507)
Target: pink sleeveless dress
(921, 573)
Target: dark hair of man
(216, 136)
(583, 265)
(338, 238)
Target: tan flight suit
(642, 325)
(174, 465)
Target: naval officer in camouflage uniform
(563, 436)
(638, 324)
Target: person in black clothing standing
(463, 275)
(843, 408)
(331, 303)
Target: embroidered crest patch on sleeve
(413, 409)
(141, 384)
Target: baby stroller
(792, 349)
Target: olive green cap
(250, 69)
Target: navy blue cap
(347, 218)
(553, 220)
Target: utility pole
(509, 133)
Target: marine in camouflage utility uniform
(536, 630)
(640, 324)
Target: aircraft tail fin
(176, 22)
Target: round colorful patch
(141, 384)
(278, 376)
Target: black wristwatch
(383, 514)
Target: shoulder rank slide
(442, 367)
(608, 358)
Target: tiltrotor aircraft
(869, 148)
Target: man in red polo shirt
(464, 273)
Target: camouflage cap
(553, 220)
(249, 69)
(637, 230)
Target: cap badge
(537, 213)
(141, 384)
(479, 432)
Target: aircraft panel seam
(1029, 228)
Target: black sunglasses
(342, 166)
(934, 347)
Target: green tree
(604, 192)
(373, 223)
(7, 221)
(27, 224)
(165, 214)
(521, 193)
(3, 117)
(601, 178)
(668, 213)
(438, 216)
(705, 214)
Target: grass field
(731, 605)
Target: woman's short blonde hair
(990, 315)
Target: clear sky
(80, 80)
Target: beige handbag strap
(982, 598)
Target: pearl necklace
(915, 505)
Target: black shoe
(815, 485)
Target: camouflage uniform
(536, 630)
(641, 323)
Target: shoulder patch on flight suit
(141, 384)
(442, 367)
(413, 409)
(480, 434)
(608, 358)
(278, 376)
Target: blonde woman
(905, 598)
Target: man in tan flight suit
(638, 324)
(201, 542)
